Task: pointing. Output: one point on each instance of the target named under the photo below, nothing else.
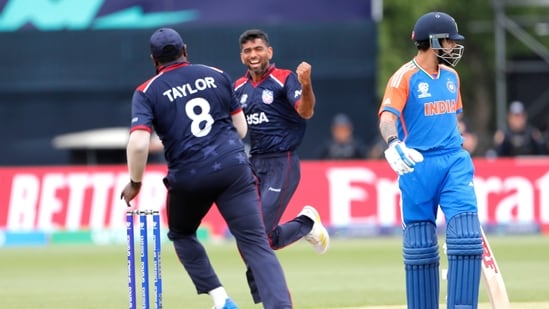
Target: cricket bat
(493, 280)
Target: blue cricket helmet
(436, 25)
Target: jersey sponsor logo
(297, 93)
(423, 89)
(184, 90)
(440, 107)
(257, 118)
(451, 86)
(267, 96)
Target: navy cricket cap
(166, 42)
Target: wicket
(144, 258)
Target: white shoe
(318, 236)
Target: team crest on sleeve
(243, 98)
(267, 96)
(423, 90)
(451, 86)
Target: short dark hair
(423, 45)
(253, 34)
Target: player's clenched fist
(303, 72)
(401, 158)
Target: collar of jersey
(172, 66)
(427, 73)
(267, 73)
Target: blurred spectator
(519, 138)
(470, 139)
(376, 150)
(343, 145)
(546, 134)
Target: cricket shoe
(318, 236)
(229, 304)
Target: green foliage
(477, 65)
(399, 19)
(358, 272)
(395, 32)
(477, 68)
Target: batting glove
(401, 158)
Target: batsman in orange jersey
(418, 118)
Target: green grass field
(357, 273)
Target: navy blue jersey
(190, 107)
(274, 125)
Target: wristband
(391, 139)
(135, 184)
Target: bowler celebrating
(192, 109)
(277, 102)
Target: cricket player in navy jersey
(277, 102)
(193, 110)
(418, 118)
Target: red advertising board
(346, 193)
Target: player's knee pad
(463, 236)
(464, 249)
(420, 245)
(421, 259)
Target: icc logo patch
(267, 96)
(423, 90)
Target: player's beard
(450, 56)
(442, 59)
(259, 70)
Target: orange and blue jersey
(426, 106)
(274, 126)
